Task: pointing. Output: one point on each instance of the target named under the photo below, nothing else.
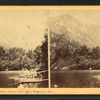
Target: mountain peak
(72, 28)
(66, 17)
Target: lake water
(60, 79)
(7, 82)
(75, 78)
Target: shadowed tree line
(19, 59)
(68, 54)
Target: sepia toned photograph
(49, 50)
(74, 48)
(23, 49)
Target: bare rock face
(74, 30)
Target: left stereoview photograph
(23, 49)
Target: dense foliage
(68, 54)
(18, 58)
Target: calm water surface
(74, 78)
(6, 82)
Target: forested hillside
(72, 47)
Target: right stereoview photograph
(74, 48)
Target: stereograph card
(49, 50)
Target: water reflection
(75, 79)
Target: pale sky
(23, 29)
(85, 16)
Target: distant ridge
(75, 30)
